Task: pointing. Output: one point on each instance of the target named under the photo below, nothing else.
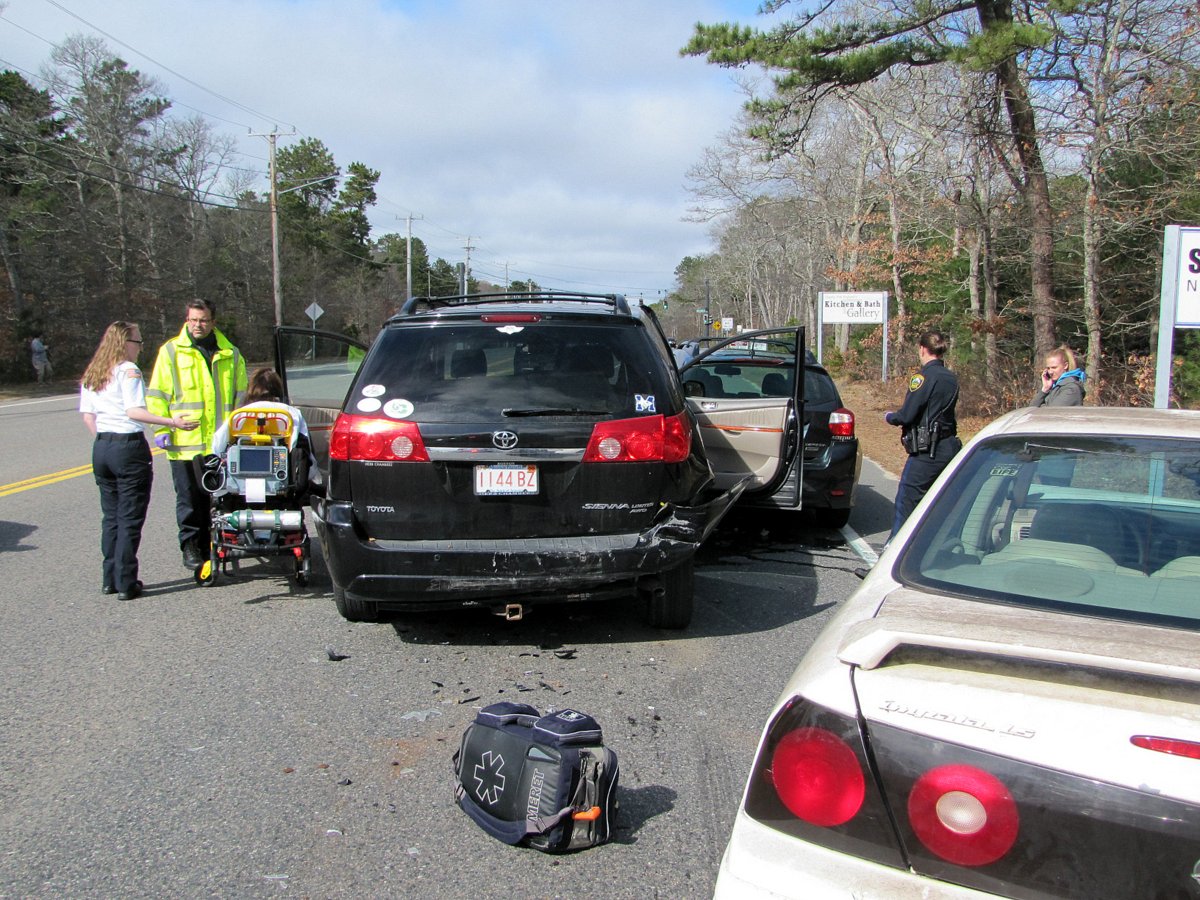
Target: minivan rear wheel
(671, 605)
(353, 609)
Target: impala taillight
(382, 440)
(963, 814)
(812, 780)
(818, 777)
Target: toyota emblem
(504, 440)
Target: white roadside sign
(1179, 300)
(853, 307)
(1187, 296)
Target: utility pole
(277, 289)
(408, 259)
(707, 308)
(467, 269)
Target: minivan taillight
(383, 440)
(841, 424)
(644, 439)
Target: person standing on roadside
(39, 355)
(929, 424)
(1062, 380)
(112, 399)
(201, 376)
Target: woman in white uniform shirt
(113, 402)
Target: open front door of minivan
(749, 402)
(317, 368)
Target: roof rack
(415, 305)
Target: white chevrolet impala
(1010, 702)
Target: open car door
(317, 368)
(747, 392)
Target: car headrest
(467, 363)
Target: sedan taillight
(382, 440)
(812, 780)
(841, 424)
(817, 776)
(644, 439)
(963, 814)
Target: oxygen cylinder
(277, 520)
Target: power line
(453, 233)
(77, 152)
(190, 196)
(167, 68)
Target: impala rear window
(1106, 526)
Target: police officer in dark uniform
(929, 425)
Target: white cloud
(556, 135)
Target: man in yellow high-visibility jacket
(201, 376)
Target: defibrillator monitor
(257, 462)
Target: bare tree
(109, 110)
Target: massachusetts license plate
(504, 478)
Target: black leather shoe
(107, 589)
(192, 557)
(135, 590)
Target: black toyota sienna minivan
(507, 450)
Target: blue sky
(553, 137)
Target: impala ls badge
(504, 440)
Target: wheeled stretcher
(259, 488)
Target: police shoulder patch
(914, 383)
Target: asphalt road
(200, 742)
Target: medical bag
(542, 781)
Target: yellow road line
(38, 481)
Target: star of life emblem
(489, 781)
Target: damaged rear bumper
(434, 574)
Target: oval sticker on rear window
(398, 409)
(374, 390)
(368, 404)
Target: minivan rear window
(476, 370)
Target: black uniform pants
(920, 472)
(123, 470)
(193, 504)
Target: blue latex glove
(162, 440)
